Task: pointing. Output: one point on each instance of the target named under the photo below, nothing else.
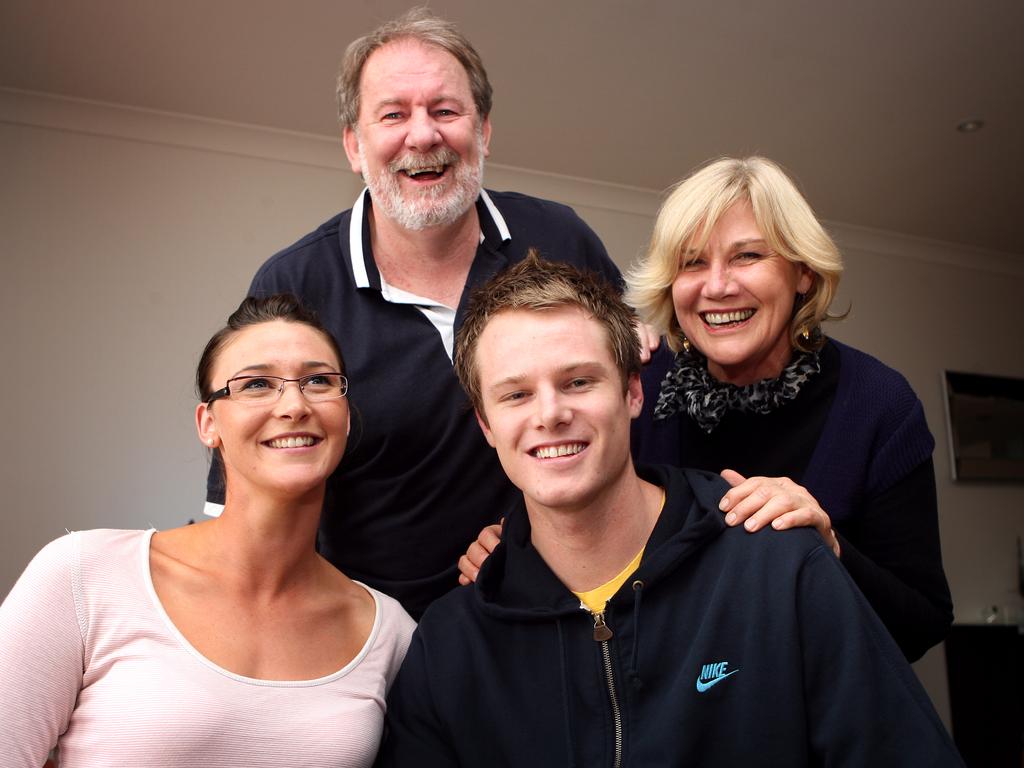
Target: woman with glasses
(229, 642)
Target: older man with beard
(389, 278)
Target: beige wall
(127, 237)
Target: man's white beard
(435, 206)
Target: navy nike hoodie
(725, 648)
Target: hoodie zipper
(602, 634)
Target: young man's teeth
(291, 442)
(554, 451)
(722, 318)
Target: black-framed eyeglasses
(262, 390)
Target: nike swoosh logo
(701, 687)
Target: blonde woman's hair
(784, 217)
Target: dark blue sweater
(857, 439)
(727, 649)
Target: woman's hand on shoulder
(756, 502)
(479, 550)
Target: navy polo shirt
(417, 481)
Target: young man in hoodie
(620, 622)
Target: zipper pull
(602, 632)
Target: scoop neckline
(147, 576)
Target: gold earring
(805, 332)
(686, 345)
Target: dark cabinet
(985, 664)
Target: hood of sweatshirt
(515, 584)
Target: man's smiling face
(419, 142)
(554, 406)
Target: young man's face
(554, 407)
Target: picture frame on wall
(985, 426)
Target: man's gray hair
(416, 24)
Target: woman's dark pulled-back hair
(256, 310)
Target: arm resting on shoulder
(891, 549)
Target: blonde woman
(739, 277)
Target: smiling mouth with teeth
(720, 319)
(431, 172)
(303, 441)
(554, 451)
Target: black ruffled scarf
(689, 387)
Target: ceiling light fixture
(972, 125)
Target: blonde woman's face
(734, 300)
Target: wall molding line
(55, 112)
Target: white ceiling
(859, 100)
